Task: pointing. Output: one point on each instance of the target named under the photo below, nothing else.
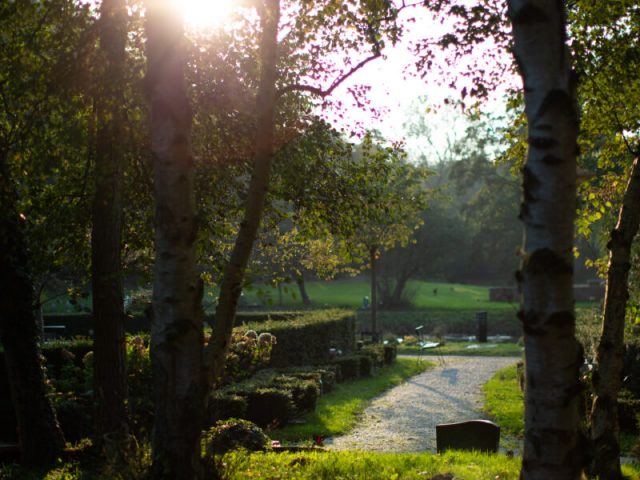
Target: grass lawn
(376, 466)
(504, 402)
(350, 292)
(461, 348)
(337, 412)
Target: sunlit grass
(504, 401)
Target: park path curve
(404, 419)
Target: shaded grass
(460, 348)
(376, 466)
(337, 412)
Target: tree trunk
(177, 327)
(304, 295)
(110, 381)
(610, 357)
(398, 289)
(231, 287)
(373, 254)
(41, 439)
(552, 444)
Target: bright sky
(393, 90)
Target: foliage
(234, 433)
(337, 412)
(247, 352)
(308, 338)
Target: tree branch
(318, 91)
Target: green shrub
(75, 417)
(247, 353)
(140, 385)
(324, 375)
(234, 433)
(223, 405)
(307, 338)
(270, 407)
(349, 367)
(304, 392)
(390, 354)
(628, 410)
(375, 352)
(366, 366)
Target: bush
(628, 411)
(270, 407)
(224, 405)
(140, 385)
(366, 366)
(375, 352)
(247, 353)
(390, 354)
(234, 433)
(349, 367)
(304, 392)
(75, 418)
(307, 338)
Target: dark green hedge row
(270, 398)
(81, 324)
(308, 338)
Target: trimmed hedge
(349, 367)
(81, 324)
(306, 339)
(270, 407)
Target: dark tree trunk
(373, 256)
(605, 429)
(553, 447)
(398, 289)
(177, 327)
(110, 386)
(40, 436)
(306, 300)
(231, 287)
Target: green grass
(376, 466)
(320, 465)
(504, 401)
(460, 348)
(350, 292)
(337, 412)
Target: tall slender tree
(552, 445)
(177, 330)
(40, 437)
(110, 385)
(607, 378)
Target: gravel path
(404, 419)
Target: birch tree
(552, 445)
(177, 330)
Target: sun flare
(206, 14)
